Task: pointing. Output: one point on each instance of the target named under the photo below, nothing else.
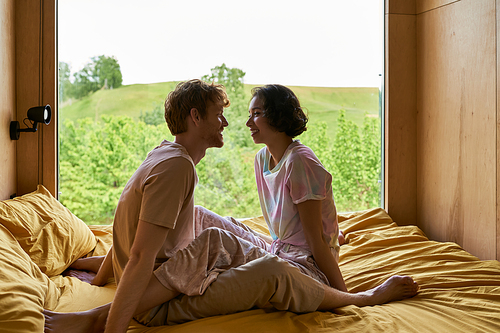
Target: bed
(39, 239)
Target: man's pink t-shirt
(161, 192)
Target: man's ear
(195, 116)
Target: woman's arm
(310, 217)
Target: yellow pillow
(104, 237)
(51, 235)
(24, 290)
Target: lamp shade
(40, 114)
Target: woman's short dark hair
(282, 108)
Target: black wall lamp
(37, 114)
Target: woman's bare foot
(91, 264)
(80, 275)
(394, 288)
(87, 321)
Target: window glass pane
(118, 60)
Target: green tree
(316, 138)
(107, 72)
(226, 178)
(97, 159)
(371, 178)
(65, 86)
(348, 164)
(101, 72)
(83, 84)
(232, 79)
(155, 116)
(227, 184)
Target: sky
(327, 43)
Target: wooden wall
(35, 70)
(7, 99)
(442, 117)
(400, 118)
(451, 131)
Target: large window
(119, 59)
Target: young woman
(294, 188)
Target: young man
(155, 256)
(154, 216)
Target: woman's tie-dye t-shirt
(299, 176)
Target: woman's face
(259, 126)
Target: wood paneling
(7, 100)
(456, 137)
(35, 85)
(400, 6)
(442, 123)
(497, 5)
(27, 89)
(426, 5)
(48, 152)
(400, 120)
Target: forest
(99, 152)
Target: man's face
(213, 125)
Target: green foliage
(232, 80)
(65, 85)
(354, 161)
(101, 72)
(106, 72)
(371, 145)
(322, 104)
(226, 178)
(227, 183)
(97, 159)
(99, 155)
(153, 117)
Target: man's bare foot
(394, 288)
(91, 264)
(87, 321)
(80, 275)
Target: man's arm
(310, 217)
(138, 271)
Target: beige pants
(221, 273)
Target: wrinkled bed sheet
(459, 292)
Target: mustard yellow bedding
(459, 293)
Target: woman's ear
(195, 116)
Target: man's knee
(273, 267)
(216, 232)
(200, 209)
(196, 207)
(215, 237)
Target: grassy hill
(322, 104)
